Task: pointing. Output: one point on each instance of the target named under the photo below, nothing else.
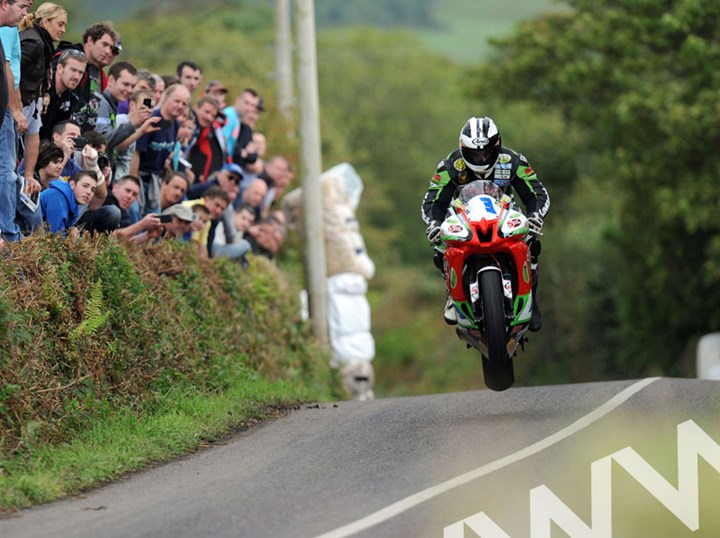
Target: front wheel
(497, 366)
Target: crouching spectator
(60, 202)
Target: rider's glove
(535, 223)
(433, 232)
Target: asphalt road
(416, 467)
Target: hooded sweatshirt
(59, 208)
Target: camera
(165, 218)
(79, 142)
(147, 102)
(103, 160)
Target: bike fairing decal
(522, 309)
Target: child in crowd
(202, 217)
(60, 201)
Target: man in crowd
(11, 13)
(238, 133)
(208, 153)
(174, 186)
(121, 80)
(190, 75)
(124, 193)
(99, 46)
(153, 148)
(61, 99)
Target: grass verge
(126, 442)
(114, 357)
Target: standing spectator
(185, 135)
(237, 132)
(279, 174)
(253, 195)
(11, 13)
(99, 45)
(253, 170)
(189, 75)
(145, 81)
(61, 100)
(60, 201)
(218, 90)
(153, 148)
(121, 80)
(208, 153)
(141, 103)
(38, 33)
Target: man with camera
(93, 217)
(121, 79)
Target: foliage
(639, 78)
(93, 325)
(392, 126)
(331, 13)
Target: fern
(95, 318)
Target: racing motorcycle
(486, 262)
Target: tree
(641, 78)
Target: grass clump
(113, 356)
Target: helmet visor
(480, 157)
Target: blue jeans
(8, 179)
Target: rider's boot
(450, 314)
(536, 318)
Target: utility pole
(311, 160)
(283, 57)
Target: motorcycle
(486, 262)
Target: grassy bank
(113, 357)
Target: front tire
(498, 368)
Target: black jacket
(511, 171)
(37, 51)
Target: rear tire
(498, 368)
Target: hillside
(457, 28)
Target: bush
(90, 326)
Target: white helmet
(480, 145)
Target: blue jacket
(59, 207)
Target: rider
(481, 155)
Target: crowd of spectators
(90, 143)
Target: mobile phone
(79, 142)
(165, 218)
(147, 102)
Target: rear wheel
(497, 366)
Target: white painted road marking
(411, 501)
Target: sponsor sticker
(504, 166)
(455, 229)
(529, 171)
(502, 174)
(463, 178)
(459, 165)
(436, 178)
(504, 158)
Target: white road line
(407, 503)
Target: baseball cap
(216, 86)
(234, 168)
(182, 212)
